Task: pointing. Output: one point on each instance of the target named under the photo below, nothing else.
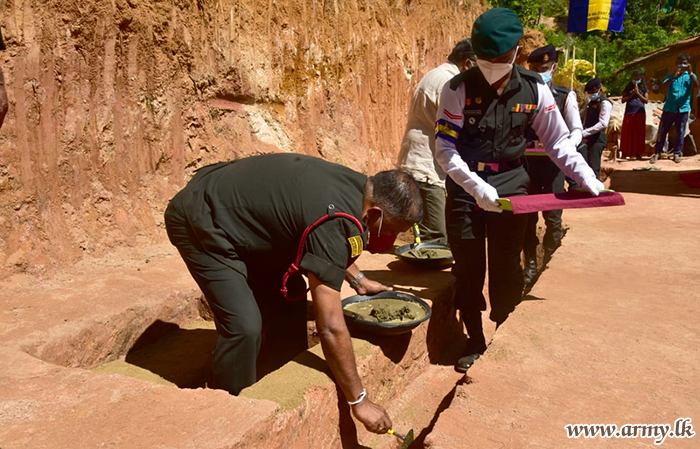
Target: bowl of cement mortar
(428, 256)
(386, 313)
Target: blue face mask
(593, 97)
(636, 81)
(546, 76)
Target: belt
(495, 167)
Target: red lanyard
(294, 267)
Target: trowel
(416, 235)
(407, 440)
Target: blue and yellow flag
(589, 15)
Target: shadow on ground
(667, 183)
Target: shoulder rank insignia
(356, 245)
(527, 108)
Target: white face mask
(494, 71)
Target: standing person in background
(545, 176)
(418, 145)
(633, 137)
(677, 106)
(596, 119)
(484, 115)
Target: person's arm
(603, 119)
(572, 117)
(4, 104)
(365, 286)
(644, 96)
(694, 79)
(550, 127)
(449, 125)
(337, 347)
(629, 96)
(672, 76)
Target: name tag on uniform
(476, 112)
(522, 107)
(356, 245)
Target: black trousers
(545, 177)
(249, 310)
(469, 231)
(595, 154)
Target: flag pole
(573, 67)
(595, 50)
(568, 42)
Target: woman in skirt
(636, 95)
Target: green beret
(496, 32)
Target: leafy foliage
(649, 24)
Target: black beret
(496, 32)
(592, 84)
(543, 54)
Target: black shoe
(530, 270)
(654, 158)
(466, 362)
(677, 158)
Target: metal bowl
(426, 264)
(355, 321)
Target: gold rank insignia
(478, 100)
(356, 245)
(545, 58)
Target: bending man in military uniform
(484, 115)
(248, 229)
(545, 176)
(418, 145)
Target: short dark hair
(462, 51)
(398, 194)
(683, 57)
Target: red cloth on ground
(574, 199)
(632, 137)
(692, 179)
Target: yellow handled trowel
(407, 440)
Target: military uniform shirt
(545, 119)
(603, 119)
(256, 209)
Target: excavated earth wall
(114, 103)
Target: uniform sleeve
(450, 119)
(551, 128)
(328, 251)
(603, 119)
(572, 117)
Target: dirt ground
(606, 336)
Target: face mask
(593, 97)
(547, 76)
(683, 66)
(494, 71)
(636, 81)
(379, 243)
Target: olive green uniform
(237, 226)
